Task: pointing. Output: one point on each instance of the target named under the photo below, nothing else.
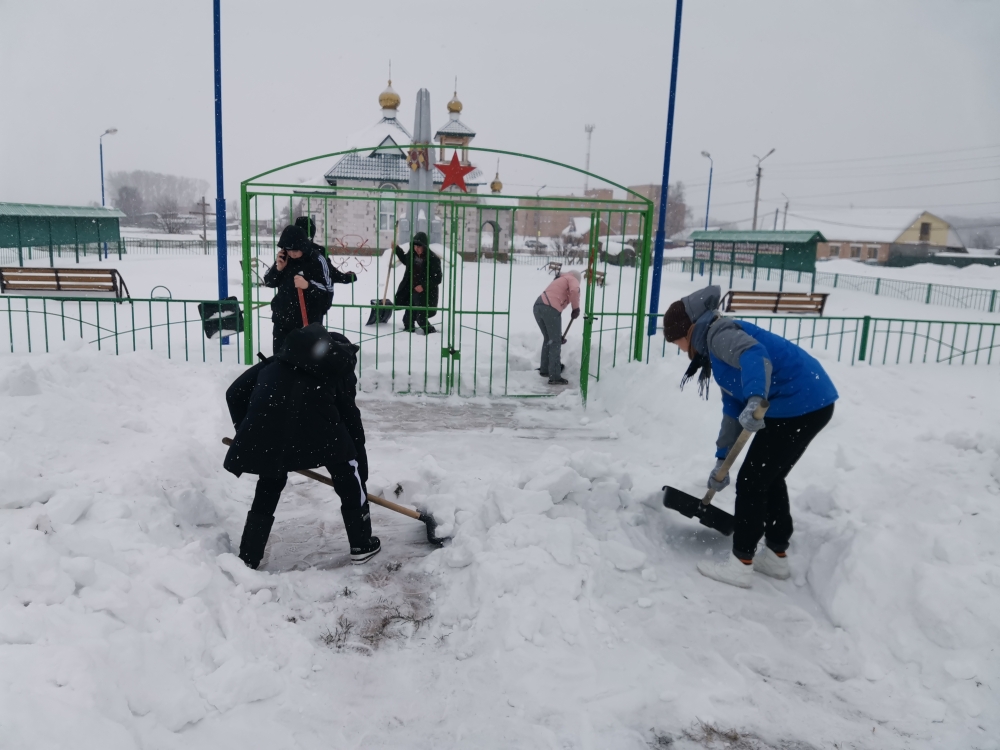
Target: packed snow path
(566, 613)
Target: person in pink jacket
(560, 294)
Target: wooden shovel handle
(302, 308)
(567, 329)
(392, 260)
(323, 479)
(735, 451)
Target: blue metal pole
(654, 294)
(709, 203)
(220, 195)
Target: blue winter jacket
(750, 361)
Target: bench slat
(775, 302)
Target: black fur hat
(420, 238)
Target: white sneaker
(768, 563)
(732, 570)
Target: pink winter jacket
(562, 292)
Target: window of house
(834, 251)
(925, 231)
(386, 216)
(873, 251)
(855, 251)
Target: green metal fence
(170, 327)
(882, 341)
(945, 295)
(486, 285)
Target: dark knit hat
(307, 225)
(420, 238)
(293, 238)
(676, 322)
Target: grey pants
(550, 322)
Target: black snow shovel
(382, 308)
(702, 509)
(416, 515)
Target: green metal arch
(470, 148)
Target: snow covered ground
(566, 612)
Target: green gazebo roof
(785, 237)
(54, 212)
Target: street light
(538, 203)
(756, 199)
(711, 167)
(109, 131)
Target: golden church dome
(455, 106)
(496, 186)
(388, 99)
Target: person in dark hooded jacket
(420, 285)
(307, 225)
(297, 266)
(295, 411)
(751, 364)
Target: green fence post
(878, 283)
(835, 277)
(928, 300)
(993, 300)
(20, 256)
(864, 338)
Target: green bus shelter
(33, 228)
(787, 251)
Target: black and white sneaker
(558, 381)
(364, 553)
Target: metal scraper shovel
(703, 510)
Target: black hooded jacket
(296, 410)
(285, 305)
(425, 272)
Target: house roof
(455, 127)
(788, 237)
(61, 212)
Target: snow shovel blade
(381, 312)
(692, 507)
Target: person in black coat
(295, 411)
(420, 284)
(297, 266)
(307, 225)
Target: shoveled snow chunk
(514, 502)
(251, 580)
(236, 683)
(559, 483)
(622, 557)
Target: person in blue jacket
(750, 364)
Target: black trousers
(416, 318)
(348, 485)
(761, 494)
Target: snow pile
(566, 612)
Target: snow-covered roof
(578, 225)
(455, 127)
(854, 224)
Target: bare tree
(153, 191)
(678, 213)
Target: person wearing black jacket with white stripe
(297, 266)
(308, 226)
(296, 411)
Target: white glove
(747, 418)
(718, 486)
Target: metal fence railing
(881, 340)
(168, 326)
(945, 295)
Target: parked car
(535, 245)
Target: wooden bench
(62, 280)
(796, 303)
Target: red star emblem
(454, 174)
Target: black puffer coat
(296, 410)
(430, 279)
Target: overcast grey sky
(836, 86)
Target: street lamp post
(711, 167)
(756, 199)
(109, 131)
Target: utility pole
(203, 206)
(784, 221)
(775, 220)
(589, 129)
(756, 199)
